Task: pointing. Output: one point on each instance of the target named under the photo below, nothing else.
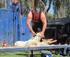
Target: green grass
(24, 54)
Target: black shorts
(37, 26)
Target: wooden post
(32, 4)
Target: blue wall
(6, 27)
(27, 35)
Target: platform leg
(65, 50)
(31, 55)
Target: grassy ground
(24, 54)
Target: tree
(26, 6)
(61, 8)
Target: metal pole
(14, 24)
(31, 55)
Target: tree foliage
(61, 7)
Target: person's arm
(44, 22)
(29, 19)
